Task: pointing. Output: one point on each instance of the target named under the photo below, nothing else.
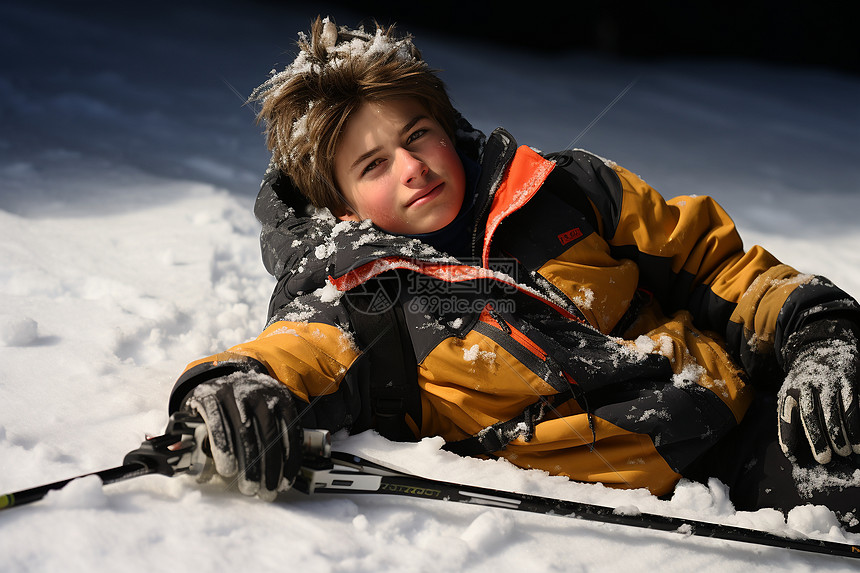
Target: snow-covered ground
(128, 169)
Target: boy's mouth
(427, 193)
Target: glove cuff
(819, 333)
(205, 372)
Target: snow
(17, 330)
(128, 171)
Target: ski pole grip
(177, 451)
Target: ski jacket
(598, 331)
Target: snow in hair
(356, 44)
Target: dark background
(812, 33)
(807, 33)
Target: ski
(346, 473)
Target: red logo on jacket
(569, 236)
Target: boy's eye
(415, 135)
(371, 166)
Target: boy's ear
(344, 214)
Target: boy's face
(396, 166)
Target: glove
(818, 402)
(253, 431)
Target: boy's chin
(432, 226)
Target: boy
(550, 309)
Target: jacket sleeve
(312, 357)
(691, 257)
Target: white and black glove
(818, 406)
(253, 431)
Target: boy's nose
(413, 168)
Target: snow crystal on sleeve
(329, 293)
(474, 352)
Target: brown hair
(306, 106)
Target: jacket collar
(521, 173)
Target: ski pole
(182, 449)
(346, 473)
(172, 453)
